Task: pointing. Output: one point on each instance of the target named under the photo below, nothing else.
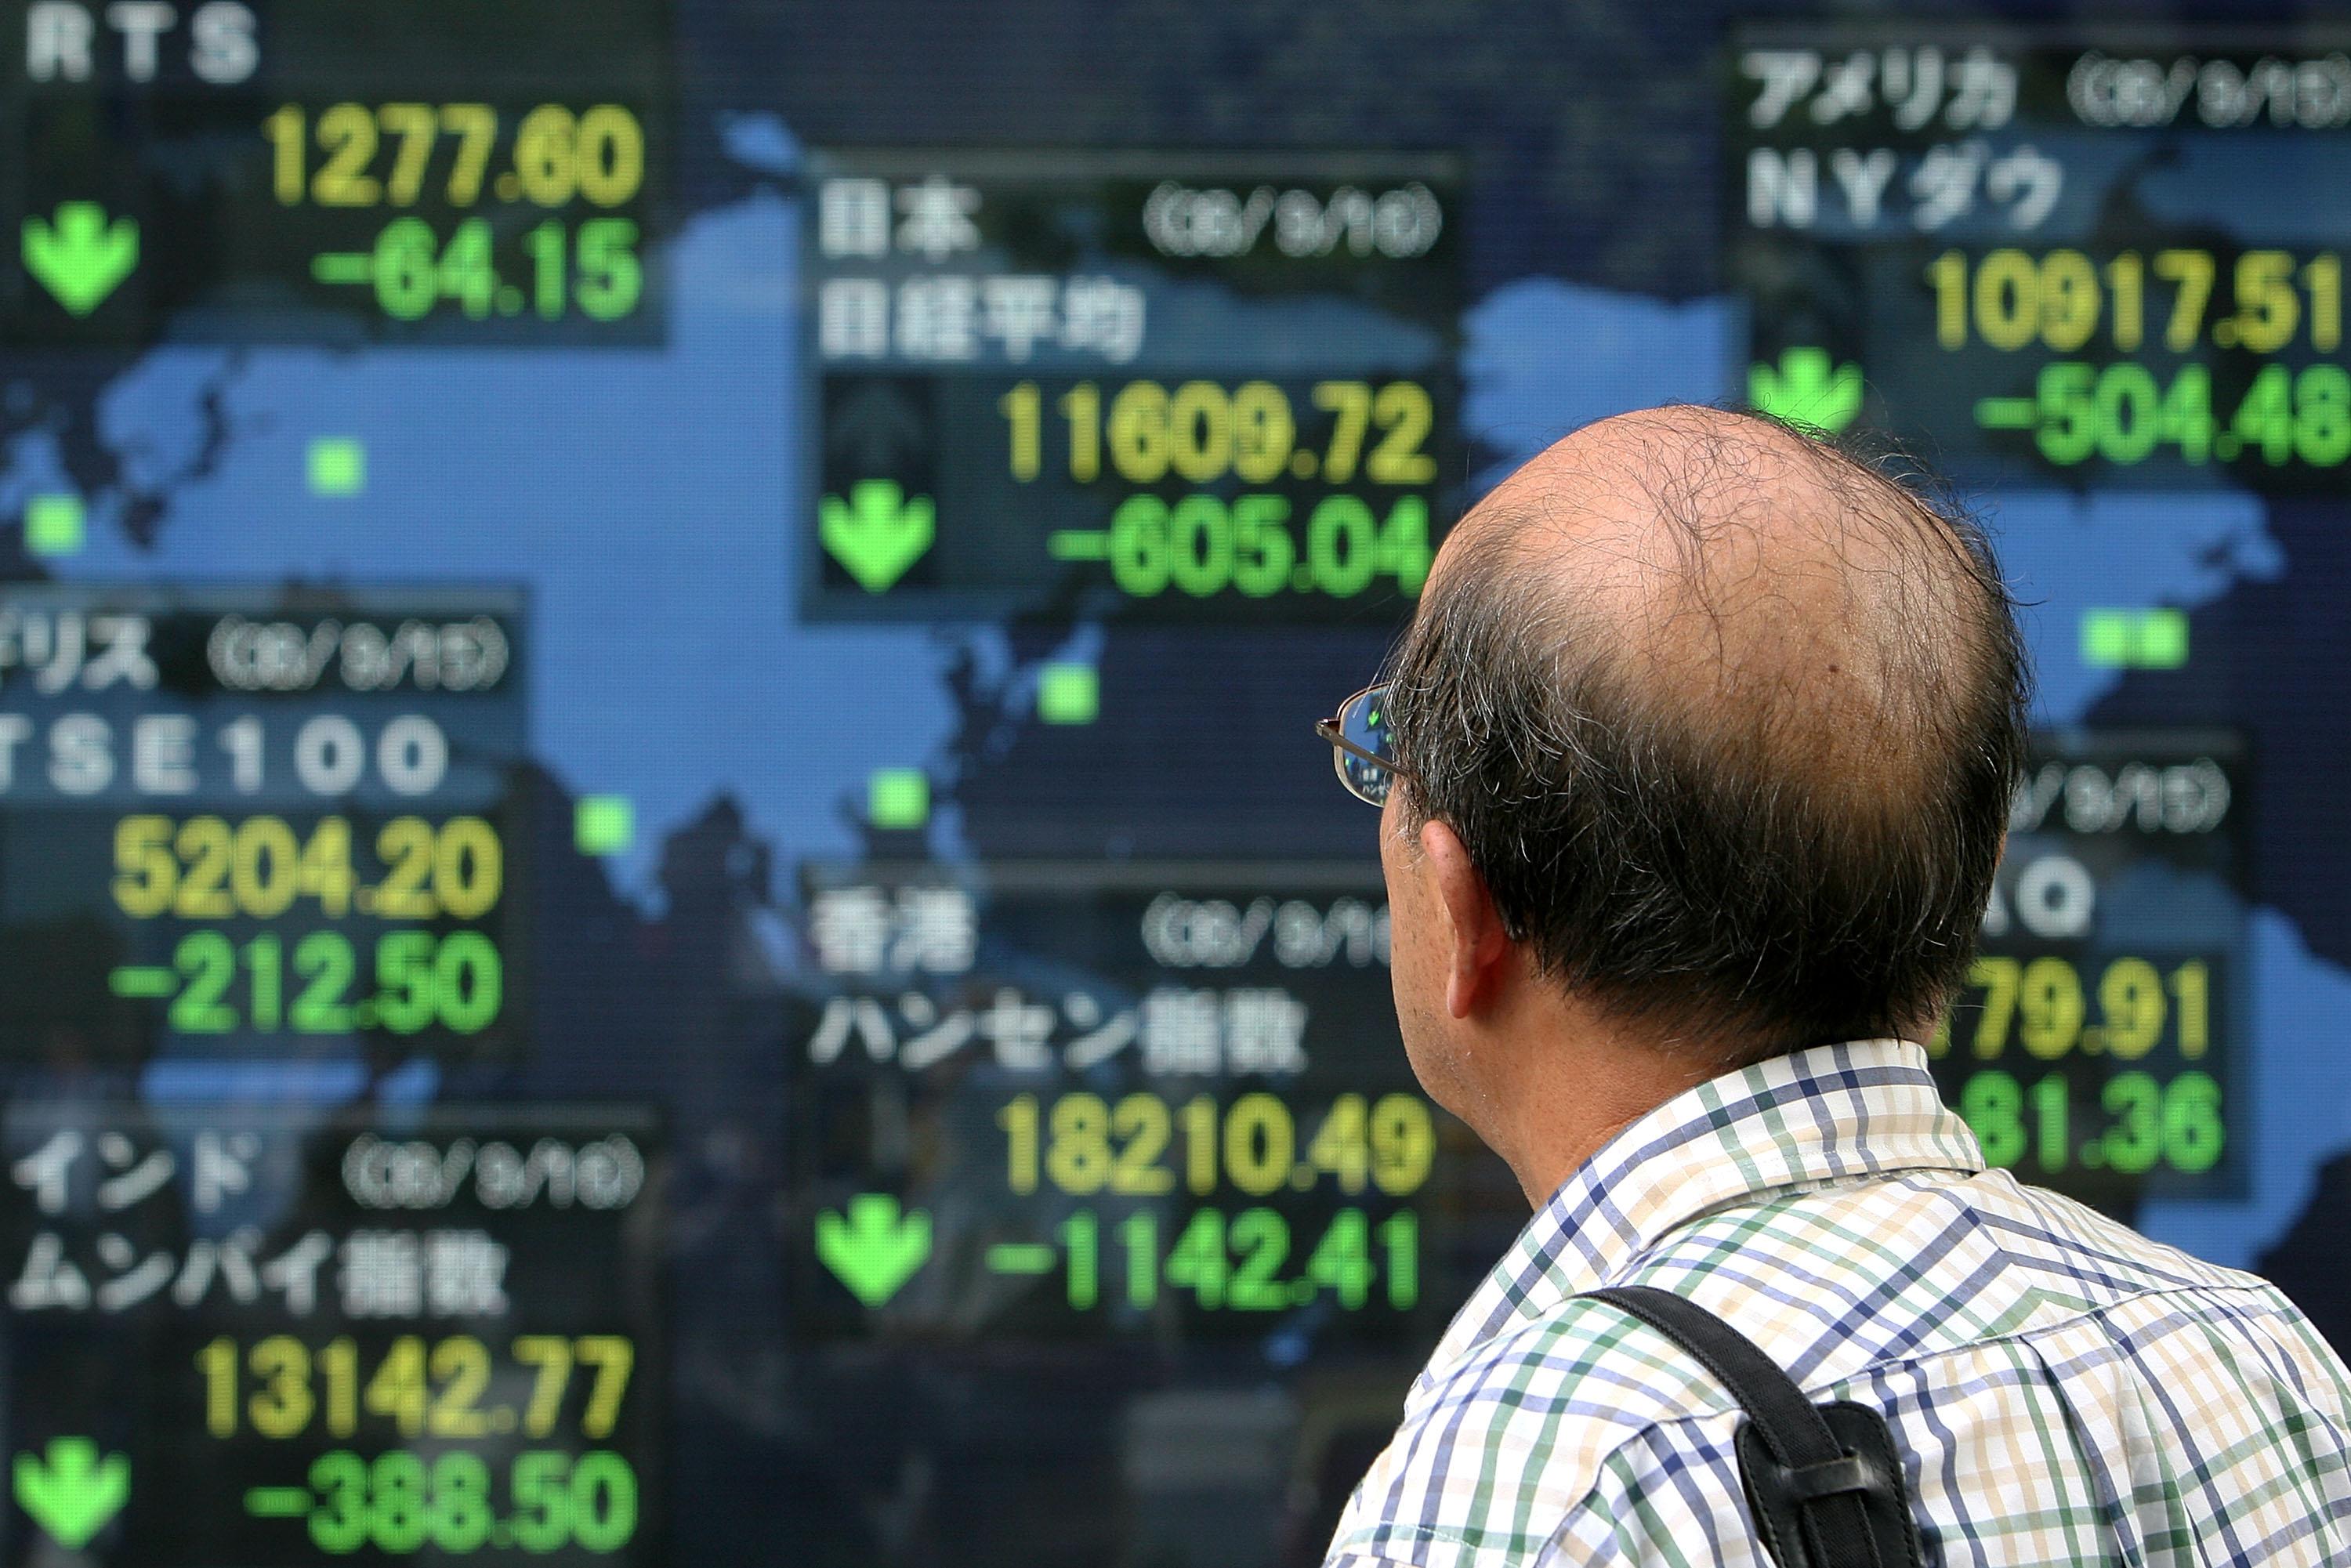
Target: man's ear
(1480, 948)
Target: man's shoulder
(2008, 1253)
(1854, 1280)
(1920, 1294)
(1582, 1360)
(1503, 1447)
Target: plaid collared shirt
(2063, 1390)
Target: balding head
(1729, 721)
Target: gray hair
(1756, 861)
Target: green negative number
(1400, 1234)
(1262, 1240)
(207, 966)
(2122, 413)
(2147, 1123)
(600, 272)
(594, 268)
(1244, 1262)
(612, 280)
(397, 1505)
(603, 1502)
(389, 1503)
(1342, 546)
(457, 1518)
(1342, 1260)
(2134, 1140)
(592, 1502)
(1201, 546)
(2322, 415)
(1993, 1105)
(415, 271)
(1200, 537)
(407, 280)
(324, 962)
(396, 1499)
(1197, 1262)
(2177, 1123)
(456, 980)
(2193, 1136)
(339, 1519)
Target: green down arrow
(1805, 389)
(874, 1251)
(75, 1493)
(81, 258)
(878, 532)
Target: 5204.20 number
(208, 868)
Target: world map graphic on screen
(663, 878)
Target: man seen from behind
(1694, 769)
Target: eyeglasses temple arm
(1328, 728)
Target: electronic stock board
(1180, 388)
(661, 882)
(264, 849)
(2076, 257)
(2042, 260)
(312, 172)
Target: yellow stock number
(1083, 1143)
(596, 154)
(1201, 432)
(2043, 1007)
(2011, 299)
(207, 868)
(280, 1386)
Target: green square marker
(898, 798)
(2162, 639)
(2108, 638)
(1068, 693)
(54, 525)
(338, 466)
(603, 824)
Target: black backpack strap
(1824, 1482)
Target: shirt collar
(1830, 1114)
